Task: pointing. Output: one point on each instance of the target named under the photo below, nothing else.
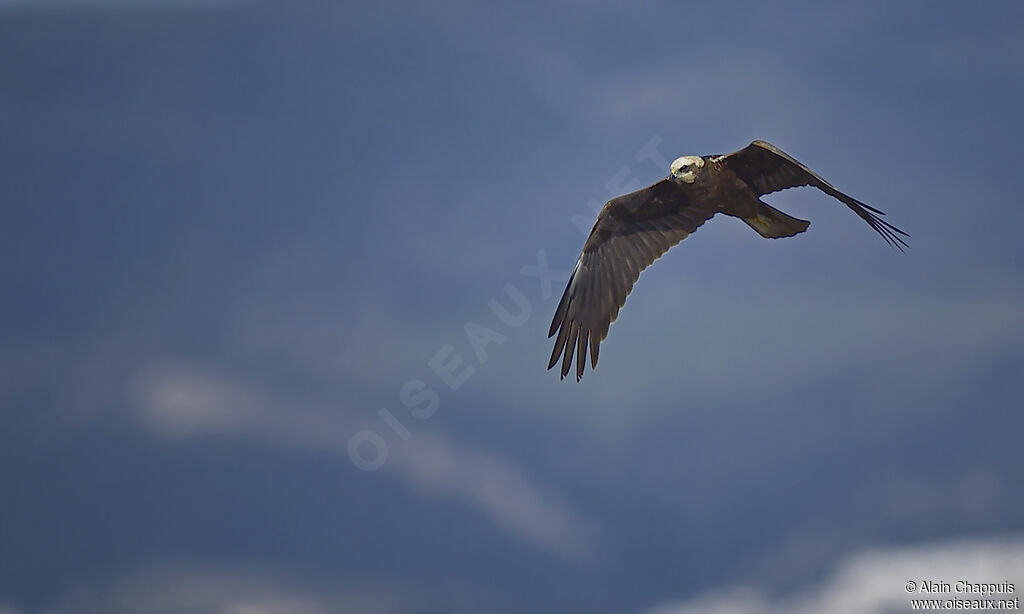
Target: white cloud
(501, 489)
(789, 336)
(874, 581)
(921, 345)
(205, 590)
(180, 401)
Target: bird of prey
(634, 230)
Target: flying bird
(635, 229)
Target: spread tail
(771, 223)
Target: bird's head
(687, 168)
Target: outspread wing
(766, 168)
(631, 232)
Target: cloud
(46, 4)
(924, 337)
(874, 581)
(502, 490)
(195, 589)
(179, 401)
(783, 338)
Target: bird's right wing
(631, 232)
(766, 168)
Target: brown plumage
(635, 229)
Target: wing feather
(766, 169)
(631, 232)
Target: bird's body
(635, 229)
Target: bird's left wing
(766, 168)
(631, 232)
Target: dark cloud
(234, 236)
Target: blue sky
(243, 243)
